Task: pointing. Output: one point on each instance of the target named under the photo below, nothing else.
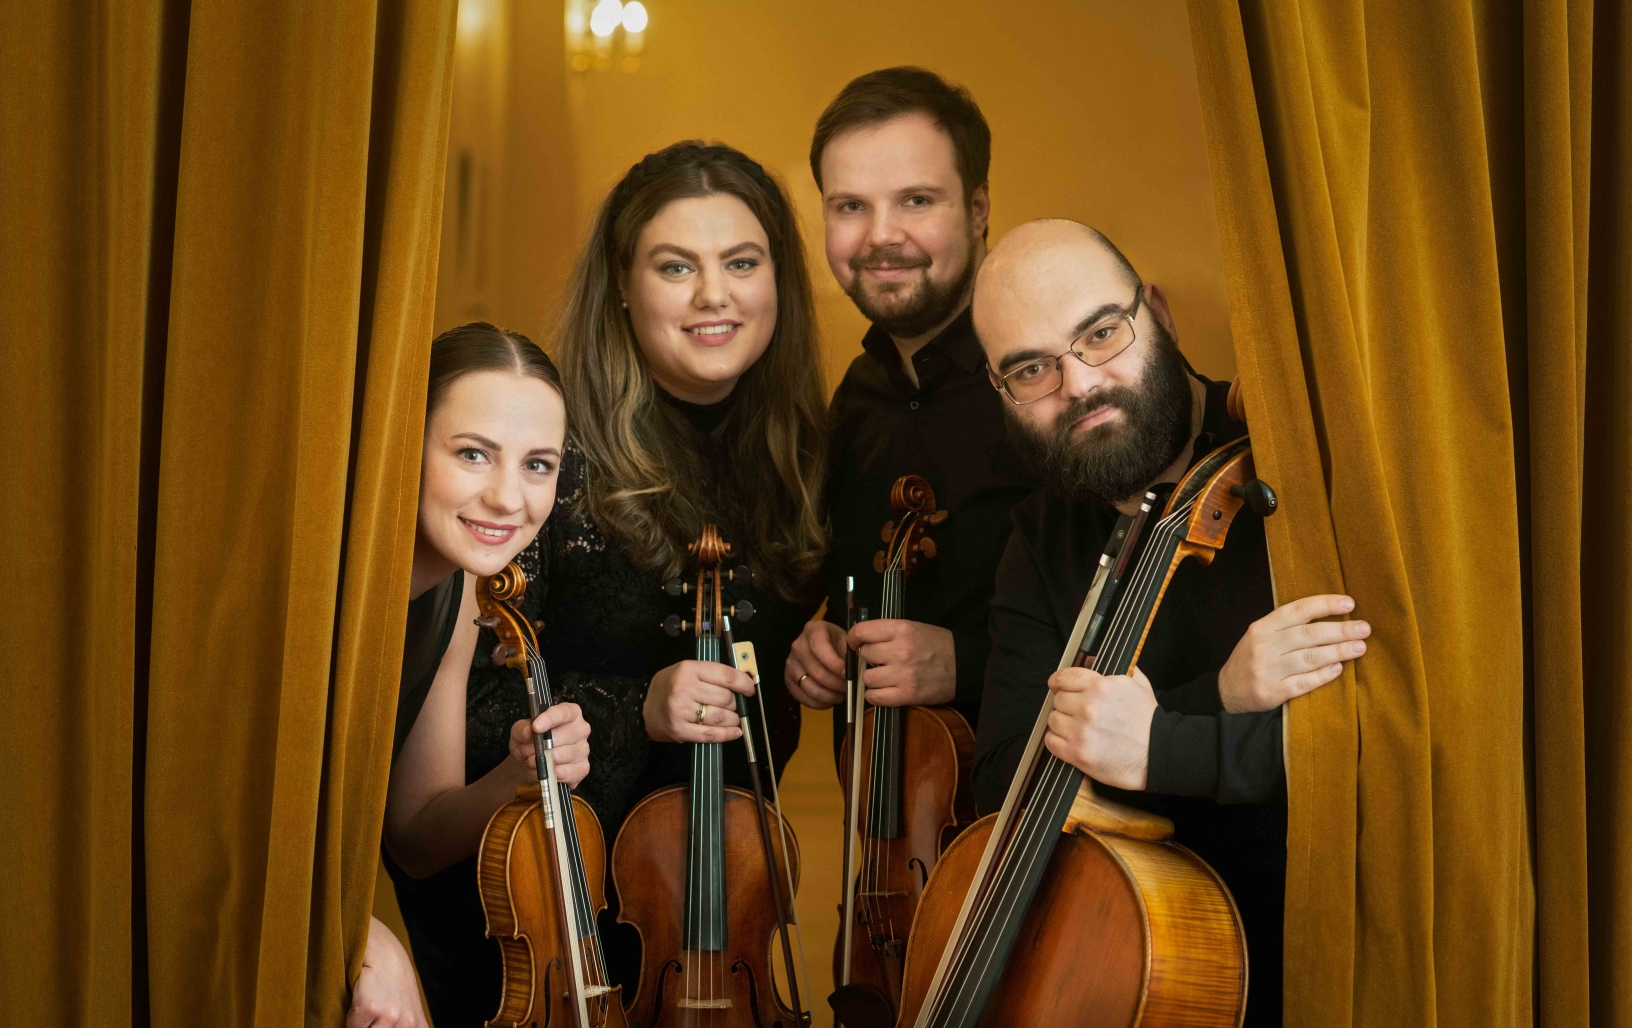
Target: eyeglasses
(1103, 342)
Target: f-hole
(662, 977)
(923, 872)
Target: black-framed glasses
(1103, 342)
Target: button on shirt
(948, 430)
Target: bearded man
(1101, 404)
(901, 158)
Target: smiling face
(492, 450)
(901, 240)
(1108, 431)
(701, 291)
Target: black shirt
(432, 617)
(948, 430)
(1219, 776)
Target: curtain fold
(217, 267)
(1423, 216)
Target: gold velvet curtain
(1425, 225)
(219, 227)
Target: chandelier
(604, 33)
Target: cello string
(1054, 780)
(1000, 903)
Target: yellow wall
(1093, 106)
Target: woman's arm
(432, 818)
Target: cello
(1153, 937)
(706, 949)
(911, 797)
(537, 894)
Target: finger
(824, 648)
(885, 676)
(1320, 633)
(1071, 679)
(576, 753)
(705, 733)
(1309, 681)
(702, 694)
(888, 696)
(875, 631)
(556, 716)
(572, 733)
(1316, 657)
(1308, 609)
(828, 679)
(890, 651)
(725, 676)
(813, 694)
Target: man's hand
(814, 672)
(1283, 655)
(908, 663)
(1101, 724)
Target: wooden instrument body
(522, 913)
(649, 871)
(937, 751)
(1123, 931)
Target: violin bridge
(705, 1004)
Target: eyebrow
(537, 451)
(913, 190)
(1089, 319)
(1021, 357)
(691, 255)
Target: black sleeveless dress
(602, 643)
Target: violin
(910, 798)
(706, 947)
(538, 896)
(1065, 908)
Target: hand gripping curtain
(218, 240)
(1424, 216)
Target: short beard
(1114, 461)
(909, 309)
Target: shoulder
(864, 377)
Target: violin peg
(926, 546)
(674, 587)
(938, 517)
(878, 562)
(1259, 497)
(888, 532)
(740, 571)
(538, 626)
(502, 654)
(673, 626)
(487, 622)
(743, 611)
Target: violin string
(1000, 902)
(782, 831)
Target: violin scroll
(496, 597)
(907, 543)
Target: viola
(706, 946)
(1065, 908)
(539, 898)
(911, 796)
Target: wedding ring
(802, 679)
(702, 712)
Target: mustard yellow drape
(1423, 210)
(219, 228)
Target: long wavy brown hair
(645, 477)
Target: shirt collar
(956, 342)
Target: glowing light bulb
(634, 16)
(605, 17)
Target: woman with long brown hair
(694, 388)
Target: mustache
(1082, 407)
(878, 260)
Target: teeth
(711, 330)
(497, 533)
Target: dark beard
(1118, 460)
(910, 310)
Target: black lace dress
(603, 641)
